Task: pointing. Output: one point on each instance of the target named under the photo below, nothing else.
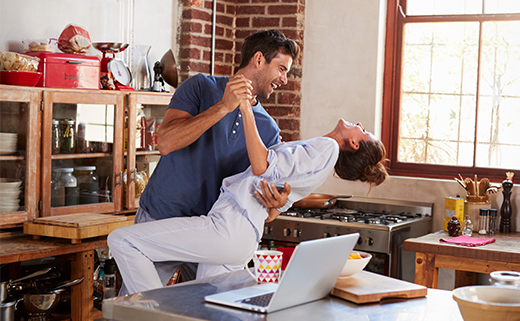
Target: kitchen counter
(431, 254)
(185, 301)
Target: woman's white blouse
(305, 165)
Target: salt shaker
(483, 224)
(492, 219)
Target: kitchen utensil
(6, 286)
(331, 201)
(365, 287)
(19, 78)
(315, 201)
(505, 278)
(353, 266)
(41, 304)
(488, 303)
(268, 265)
(169, 69)
(141, 70)
(470, 186)
(7, 310)
(66, 284)
(483, 185)
(116, 67)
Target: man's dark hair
(269, 43)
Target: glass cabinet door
(19, 154)
(144, 114)
(82, 139)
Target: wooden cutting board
(368, 287)
(79, 220)
(76, 226)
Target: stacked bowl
(8, 143)
(9, 195)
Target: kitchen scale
(114, 73)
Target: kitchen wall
(342, 78)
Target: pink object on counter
(468, 240)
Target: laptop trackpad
(243, 293)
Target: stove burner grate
(349, 215)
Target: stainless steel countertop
(185, 301)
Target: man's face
(272, 75)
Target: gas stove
(354, 216)
(383, 226)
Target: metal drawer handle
(74, 62)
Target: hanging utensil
(6, 286)
(66, 284)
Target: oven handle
(329, 202)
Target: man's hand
(272, 197)
(237, 89)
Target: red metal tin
(61, 70)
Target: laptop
(310, 275)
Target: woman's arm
(180, 129)
(256, 149)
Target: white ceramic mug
(268, 265)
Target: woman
(225, 239)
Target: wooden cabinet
(97, 156)
(20, 123)
(150, 107)
(90, 136)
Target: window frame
(395, 22)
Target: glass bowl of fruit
(356, 262)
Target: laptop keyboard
(259, 300)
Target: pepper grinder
(505, 210)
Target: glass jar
(492, 226)
(67, 136)
(483, 224)
(57, 189)
(55, 143)
(467, 229)
(70, 183)
(82, 144)
(88, 184)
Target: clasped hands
(272, 198)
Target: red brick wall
(236, 19)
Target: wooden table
(431, 254)
(22, 247)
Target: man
(201, 139)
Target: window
(452, 88)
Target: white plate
(9, 208)
(9, 184)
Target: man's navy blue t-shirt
(187, 182)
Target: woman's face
(353, 134)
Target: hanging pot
(7, 310)
(5, 286)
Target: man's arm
(273, 199)
(180, 129)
